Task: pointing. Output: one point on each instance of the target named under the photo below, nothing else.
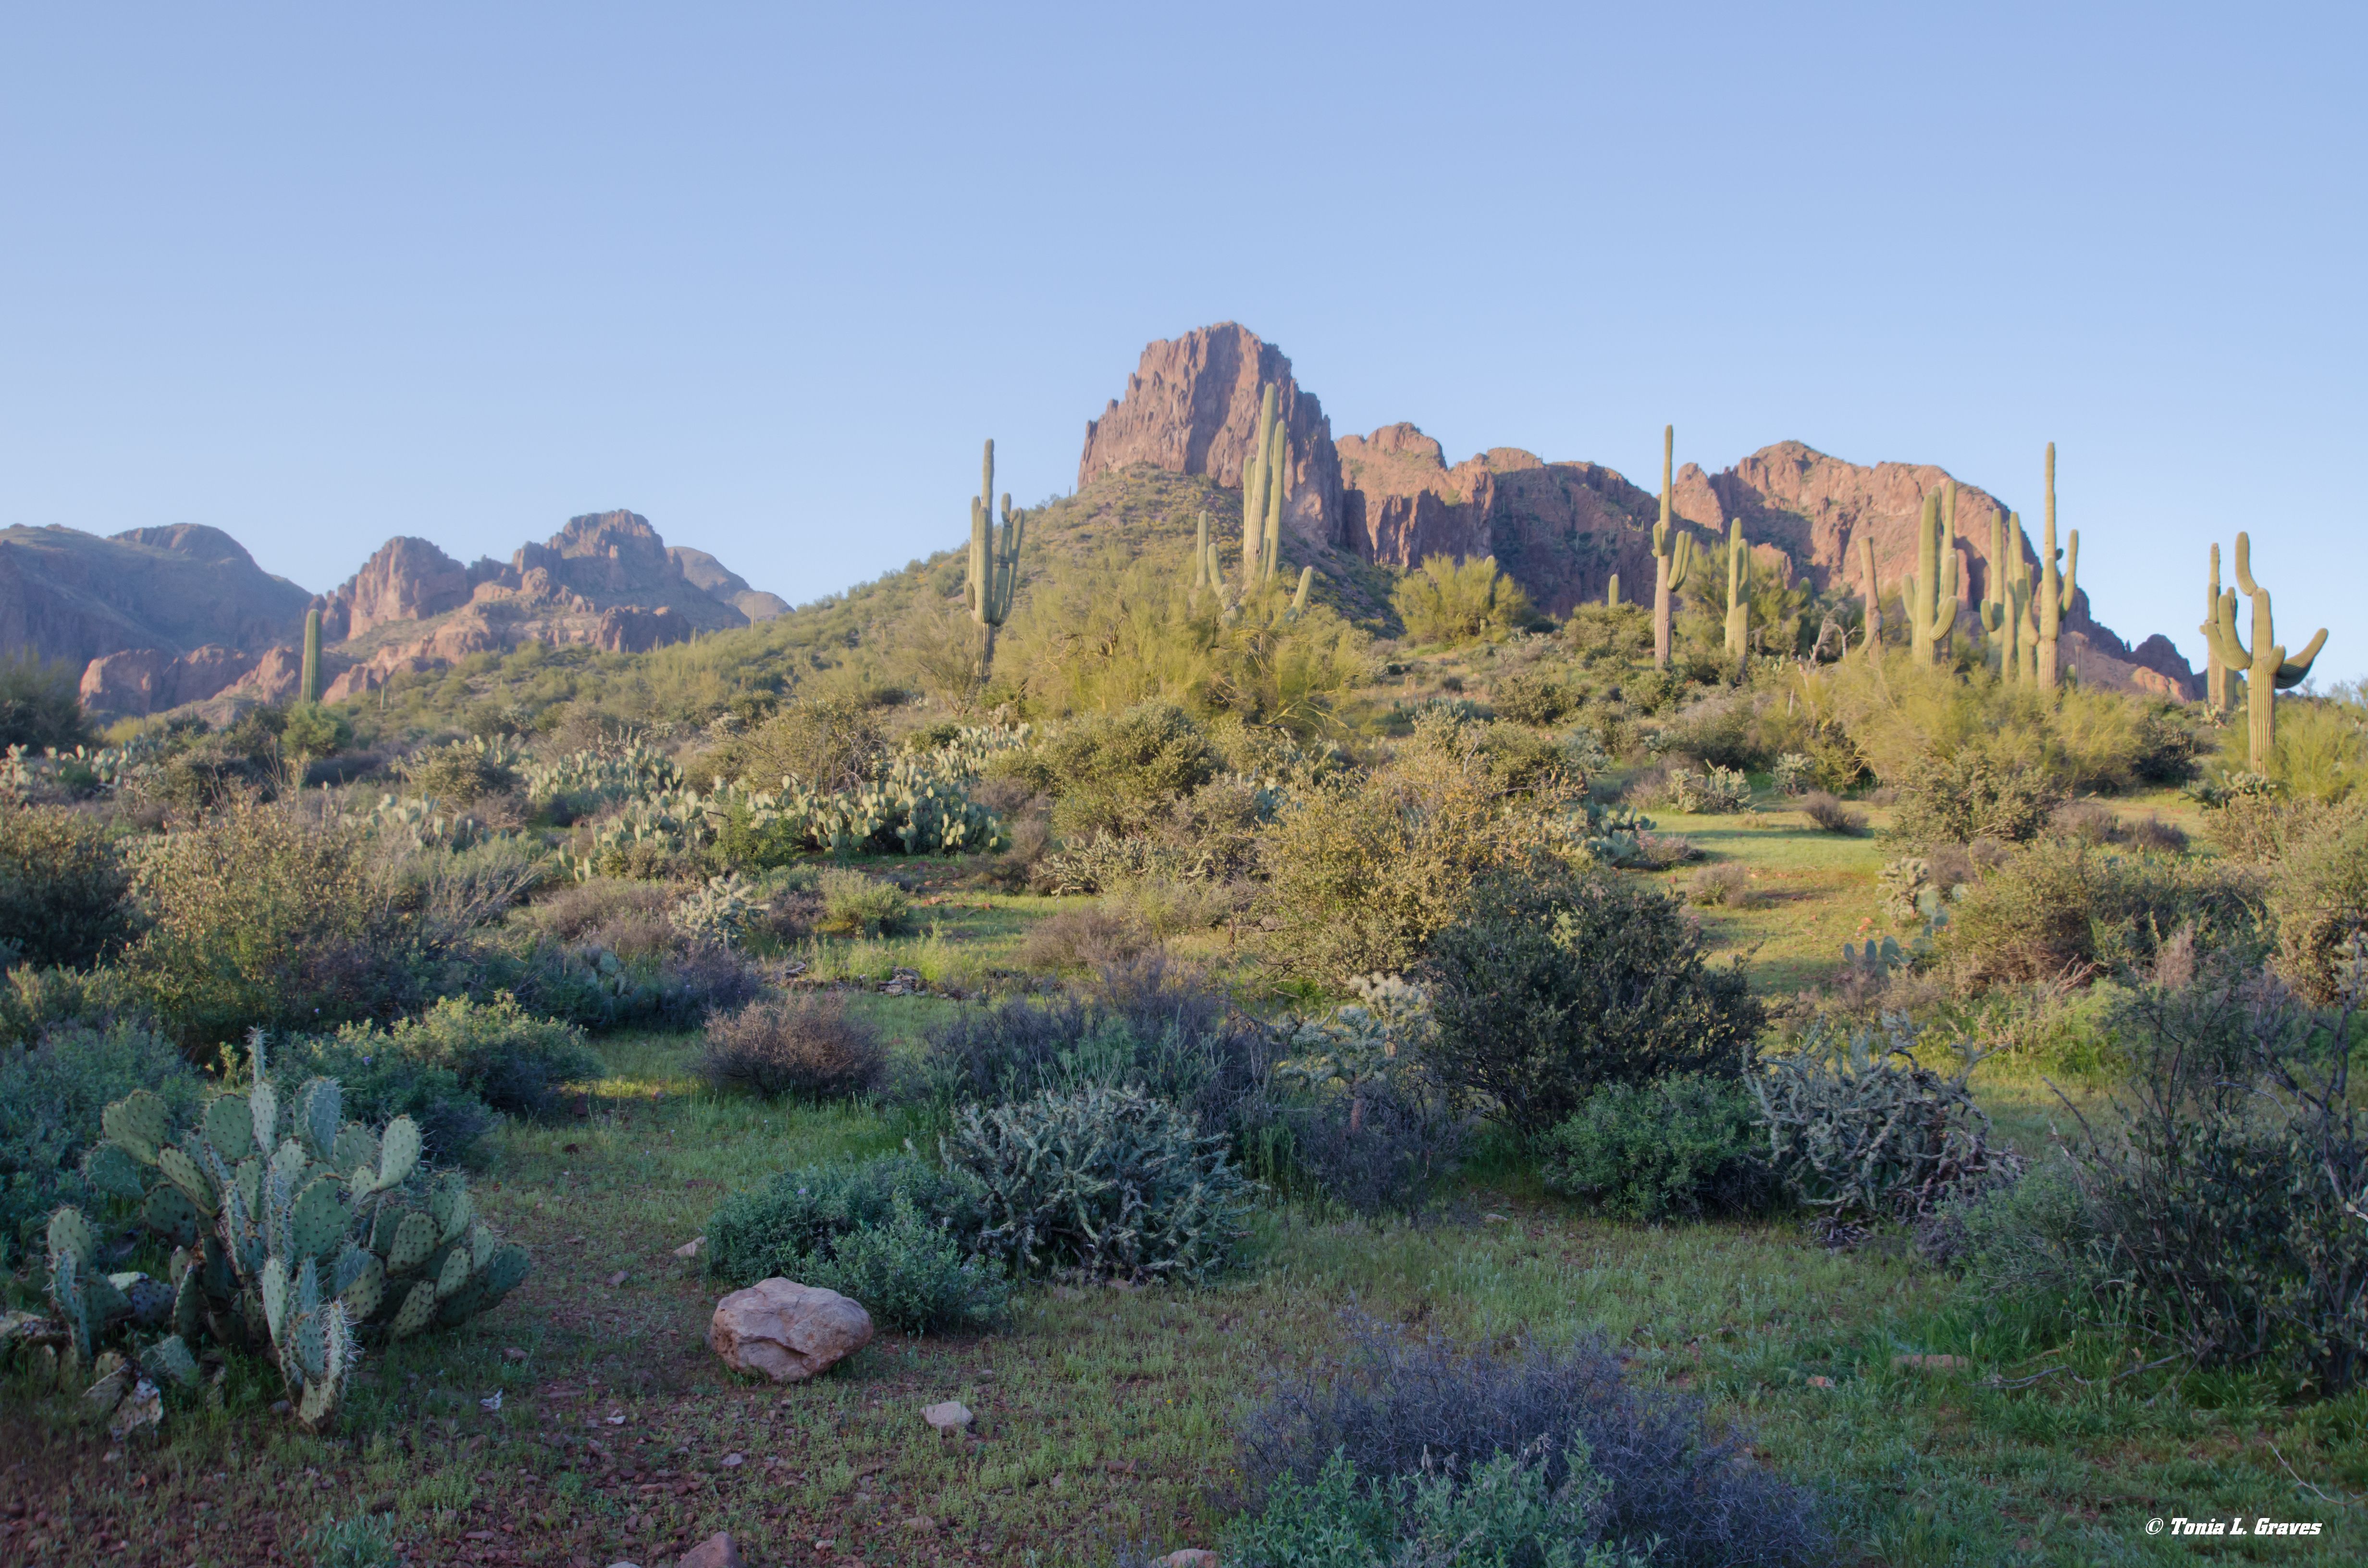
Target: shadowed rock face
(72, 595)
(1561, 529)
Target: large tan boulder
(785, 1331)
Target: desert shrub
(808, 1047)
(1446, 600)
(1361, 871)
(2038, 1238)
(315, 731)
(1861, 1129)
(40, 704)
(1369, 1125)
(634, 970)
(1830, 815)
(1533, 697)
(860, 905)
(2156, 837)
(1114, 773)
(2317, 901)
(1502, 1513)
(1398, 1411)
(830, 743)
(1149, 1025)
(2053, 909)
(460, 773)
(1717, 792)
(2093, 822)
(1970, 794)
(573, 911)
(1794, 772)
(1551, 983)
(1681, 1145)
(265, 918)
(1720, 731)
(2231, 1188)
(2321, 753)
(799, 1213)
(512, 1060)
(65, 891)
(1093, 935)
(52, 1094)
(380, 1083)
(910, 1272)
(1727, 884)
(1102, 1182)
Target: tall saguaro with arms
(994, 562)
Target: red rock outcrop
(140, 681)
(1192, 406)
(408, 579)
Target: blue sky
(320, 275)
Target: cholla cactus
(1347, 1050)
(336, 1234)
(719, 912)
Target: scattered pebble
(616, 1279)
(949, 1417)
(690, 1249)
(734, 1462)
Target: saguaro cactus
(2265, 666)
(1932, 591)
(2055, 589)
(994, 562)
(1262, 476)
(2215, 669)
(1738, 593)
(308, 685)
(1673, 556)
(1993, 610)
(1611, 592)
(1870, 588)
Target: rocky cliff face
(1192, 406)
(161, 617)
(1561, 529)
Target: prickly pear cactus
(295, 1234)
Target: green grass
(1108, 1414)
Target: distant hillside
(69, 595)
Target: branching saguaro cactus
(1262, 478)
(1870, 588)
(1738, 593)
(2019, 640)
(1932, 592)
(2055, 589)
(994, 562)
(2265, 666)
(308, 685)
(2215, 672)
(1673, 557)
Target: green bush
(830, 743)
(263, 917)
(2056, 909)
(1683, 1145)
(381, 1083)
(41, 705)
(1530, 697)
(1447, 600)
(2230, 1192)
(316, 731)
(808, 1047)
(910, 1272)
(2319, 901)
(863, 907)
(2039, 1238)
(1502, 1515)
(895, 1233)
(1117, 773)
(1104, 1183)
(1969, 794)
(505, 1056)
(458, 774)
(1553, 984)
(65, 891)
(51, 1096)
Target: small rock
(616, 1279)
(952, 1418)
(1930, 1363)
(920, 1522)
(625, 1565)
(715, 1552)
(1496, 1219)
(1191, 1557)
(1821, 1382)
(512, 1353)
(690, 1249)
(786, 1331)
(734, 1462)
